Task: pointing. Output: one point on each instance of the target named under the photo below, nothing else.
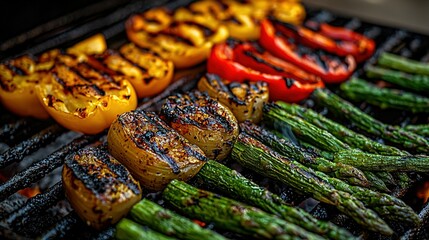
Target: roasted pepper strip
(184, 42)
(18, 77)
(330, 68)
(253, 56)
(337, 40)
(82, 97)
(222, 63)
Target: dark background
(18, 16)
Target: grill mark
(145, 141)
(128, 59)
(180, 105)
(15, 69)
(227, 89)
(95, 182)
(289, 82)
(263, 61)
(90, 85)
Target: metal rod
(62, 227)
(35, 205)
(39, 169)
(40, 139)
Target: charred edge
(227, 89)
(288, 81)
(172, 35)
(15, 69)
(94, 182)
(262, 61)
(207, 31)
(283, 24)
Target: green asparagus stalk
(387, 206)
(169, 223)
(366, 123)
(360, 90)
(386, 177)
(229, 214)
(252, 154)
(217, 176)
(403, 64)
(373, 162)
(343, 133)
(376, 183)
(422, 129)
(304, 130)
(127, 229)
(291, 150)
(414, 82)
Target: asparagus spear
(414, 82)
(404, 64)
(169, 223)
(386, 177)
(422, 129)
(253, 154)
(289, 149)
(343, 133)
(321, 138)
(386, 205)
(376, 182)
(361, 90)
(127, 229)
(229, 214)
(217, 176)
(372, 162)
(366, 123)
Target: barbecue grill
(33, 151)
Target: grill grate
(49, 215)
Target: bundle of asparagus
(407, 73)
(220, 178)
(360, 90)
(230, 215)
(353, 201)
(422, 129)
(370, 125)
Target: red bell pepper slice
(253, 56)
(337, 40)
(222, 62)
(329, 67)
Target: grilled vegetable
(99, 188)
(222, 61)
(403, 64)
(360, 90)
(373, 162)
(387, 206)
(422, 129)
(18, 78)
(203, 121)
(337, 40)
(252, 154)
(186, 42)
(229, 214)
(84, 96)
(370, 125)
(414, 82)
(255, 57)
(216, 176)
(127, 229)
(245, 100)
(290, 149)
(148, 73)
(93, 45)
(169, 223)
(278, 118)
(152, 151)
(330, 68)
(341, 132)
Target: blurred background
(18, 16)
(412, 15)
